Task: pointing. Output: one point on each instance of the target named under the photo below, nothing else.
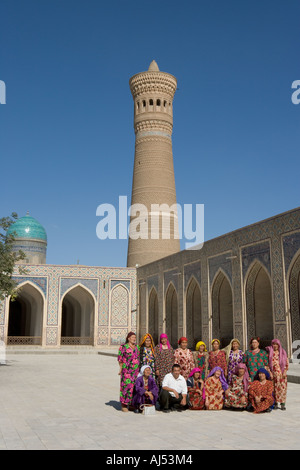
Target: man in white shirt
(173, 395)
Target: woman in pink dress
(278, 367)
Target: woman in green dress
(255, 358)
(201, 359)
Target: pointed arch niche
(193, 313)
(259, 306)
(222, 310)
(25, 317)
(77, 316)
(153, 314)
(171, 305)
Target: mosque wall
(93, 306)
(242, 284)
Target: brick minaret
(153, 175)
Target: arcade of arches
(242, 284)
(25, 324)
(259, 310)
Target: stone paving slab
(71, 402)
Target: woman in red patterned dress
(184, 357)
(195, 387)
(261, 392)
(215, 387)
(217, 358)
(236, 396)
(278, 366)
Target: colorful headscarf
(282, 355)
(262, 370)
(182, 339)
(163, 335)
(199, 344)
(222, 377)
(147, 335)
(196, 369)
(131, 333)
(241, 365)
(228, 348)
(216, 340)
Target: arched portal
(153, 315)
(77, 321)
(171, 304)
(222, 311)
(294, 292)
(259, 306)
(193, 313)
(25, 321)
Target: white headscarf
(142, 370)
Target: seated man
(173, 394)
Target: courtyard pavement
(71, 401)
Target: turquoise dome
(27, 227)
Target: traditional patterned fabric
(229, 348)
(147, 358)
(235, 358)
(201, 361)
(265, 391)
(130, 360)
(255, 361)
(279, 382)
(214, 394)
(164, 360)
(196, 399)
(234, 395)
(185, 358)
(217, 359)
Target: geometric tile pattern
(260, 252)
(193, 269)
(66, 283)
(41, 282)
(119, 306)
(218, 262)
(291, 244)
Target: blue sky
(66, 131)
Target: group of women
(228, 378)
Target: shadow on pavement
(115, 404)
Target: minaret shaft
(153, 174)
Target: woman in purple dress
(234, 356)
(145, 389)
(129, 360)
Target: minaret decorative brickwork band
(153, 176)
